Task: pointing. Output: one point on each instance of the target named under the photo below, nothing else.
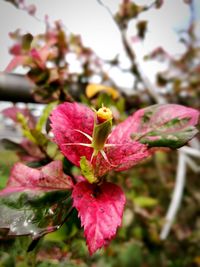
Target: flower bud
(103, 114)
(102, 128)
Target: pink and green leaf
(35, 201)
(49, 177)
(167, 125)
(100, 209)
(33, 212)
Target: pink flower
(85, 137)
(73, 126)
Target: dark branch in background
(21, 5)
(13, 2)
(192, 13)
(15, 88)
(31, 10)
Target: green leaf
(40, 138)
(172, 140)
(145, 202)
(34, 135)
(25, 128)
(87, 170)
(34, 212)
(43, 118)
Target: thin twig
(177, 195)
(106, 7)
(142, 76)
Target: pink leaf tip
(47, 178)
(100, 208)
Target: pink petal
(65, 120)
(49, 177)
(121, 157)
(124, 153)
(121, 134)
(127, 155)
(100, 209)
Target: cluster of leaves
(35, 201)
(84, 185)
(47, 57)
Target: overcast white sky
(95, 25)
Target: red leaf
(49, 177)
(66, 119)
(100, 209)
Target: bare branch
(106, 7)
(177, 195)
(142, 76)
